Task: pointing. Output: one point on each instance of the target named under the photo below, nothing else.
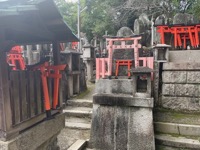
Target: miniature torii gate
(101, 63)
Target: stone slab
(170, 128)
(167, 115)
(183, 66)
(36, 136)
(181, 90)
(168, 89)
(78, 125)
(115, 86)
(69, 136)
(78, 111)
(176, 128)
(174, 77)
(122, 100)
(189, 130)
(181, 103)
(193, 77)
(80, 103)
(78, 145)
(178, 142)
(184, 56)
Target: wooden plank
(14, 75)
(31, 93)
(38, 88)
(26, 124)
(5, 102)
(23, 95)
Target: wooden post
(5, 102)
(56, 53)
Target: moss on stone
(166, 115)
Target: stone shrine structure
(120, 120)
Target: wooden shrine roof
(33, 21)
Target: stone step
(165, 115)
(178, 129)
(161, 147)
(80, 103)
(78, 111)
(177, 141)
(78, 123)
(78, 119)
(78, 145)
(69, 136)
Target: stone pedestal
(121, 121)
(42, 136)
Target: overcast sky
(71, 0)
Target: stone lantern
(88, 58)
(161, 53)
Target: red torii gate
(104, 65)
(182, 34)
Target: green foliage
(69, 12)
(195, 9)
(109, 15)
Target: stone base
(122, 122)
(42, 136)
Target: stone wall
(181, 86)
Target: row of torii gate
(183, 35)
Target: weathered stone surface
(121, 127)
(141, 135)
(174, 76)
(182, 66)
(117, 86)
(122, 100)
(177, 142)
(181, 103)
(138, 26)
(191, 90)
(167, 115)
(184, 18)
(176, 128)
(184, 56)
(102, 134)
(161, 20)
(162, 127)
(121, 132)
(42, 136)
(168, 89)
(125, 31)
(193, 77)
(145, 19)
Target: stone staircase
(177, 131)
(77, 122)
